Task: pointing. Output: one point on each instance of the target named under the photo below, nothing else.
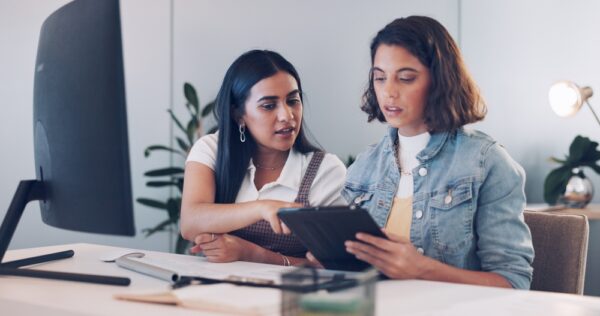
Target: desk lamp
(566, 98)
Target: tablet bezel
(323, 231)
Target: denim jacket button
(422, 172)
(448, 199)
(419, 214)
(359, 199)
(420, 250)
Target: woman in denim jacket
(451, 199)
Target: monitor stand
(33, 190)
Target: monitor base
(27, 191)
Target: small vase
(579, 190)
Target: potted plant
(567, 184)
(172, 176)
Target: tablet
(323, 231)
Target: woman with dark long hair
(451, 199)
(260, 160)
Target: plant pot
(579, 191)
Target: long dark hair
(233, 156)
(453, 99)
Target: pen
(232, 279)
(336, 283)
(148, 269)
(253, 280)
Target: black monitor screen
(80, 122)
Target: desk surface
(29, 296)
(592, 211)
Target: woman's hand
(395, 257)
(268, 211)
(222, 247)
(312, 261)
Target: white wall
(327, 42)
(146, 53)
(516, 50)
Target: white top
(325, 189)
(408, 149)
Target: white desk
(29, 296)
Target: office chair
(560, 243)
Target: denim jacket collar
(434, 146)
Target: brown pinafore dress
(261, 232)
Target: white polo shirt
(325, 189)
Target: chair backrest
(560, 243)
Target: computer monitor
(80, 133)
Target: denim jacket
(468, 201)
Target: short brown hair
(453, 99)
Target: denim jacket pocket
(355, 196)
(452, 218)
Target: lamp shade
(566, 98)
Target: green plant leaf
(183, 144)
(578, 149)
(556, 183)
(208, 109)
(177, 122)
(152, 203)
(173, 207)
(181, 245)
(350, 160)
(192, 128)
(152, 148)
(560, 161)
(191, 109)
(582, 152)
(169, 171)
(158, 228)
(591, 155)
(180, 184)
(159, 184)
(213, 130)
(191, 96)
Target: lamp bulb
(565, 98)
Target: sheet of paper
(112, 255)
(217, 297)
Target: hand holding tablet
(323, 231)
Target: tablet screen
(323, 231)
